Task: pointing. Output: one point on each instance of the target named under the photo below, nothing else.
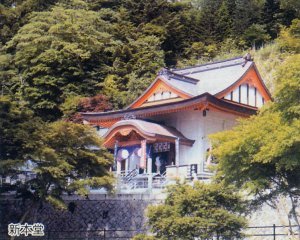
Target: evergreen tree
(256, 35)
(246, 13)
(293, 5)
(224, 22)
(270, 17)
(209, 21)
(15, 13)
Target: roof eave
(236, 82)
(204, 98)
(262, 81)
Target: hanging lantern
(122, 154)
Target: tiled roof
(150, 129)
(211, 78)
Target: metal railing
(271, 232)
(133, 180)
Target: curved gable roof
(149, 130)
(214, 78)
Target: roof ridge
(213, 68)
(205, 64)
(182, 77)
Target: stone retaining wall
(119, 213)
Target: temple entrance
(129, 158)
(163, 155)
(144, 148)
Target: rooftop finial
(247, 57)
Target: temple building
(164, 133)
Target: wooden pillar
(115, 156)
(149, 165)
(118, 167)
(126, 165)
(143, 155)
(177, 154)
(149, 171)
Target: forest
(55, 52)
(62, 57)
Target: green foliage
(14, 14)
(287, 92)
(256, 35)
(224, 21)
(57, 48)
(59, 53)
(16, 126)
(204, 210)
(112, 88)
(69, 157)
(262, 153)
(246, 13)
(293, 5)
(267, 60)
(259, 156)
(75, 105)
(143, 237)
(289, 38)
(148, 60)
(59, 151)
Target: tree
(289, 38)
(256, 35)
(148, 58)
(69, 158)
(15, 13)
(16, 126)
(270, 15)
(291, 5)
(65, 157)
(209, 22)
(287, 88)
(203, 210)
(224, 22)
(62, 52)
(261, 154)
(246, 13)
(75, 105)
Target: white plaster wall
(259, 100)
(102, 131)
(236, 95)
(244, 93)
(193, 125)
(252, 96)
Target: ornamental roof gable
(160, 92)
(218, 79)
